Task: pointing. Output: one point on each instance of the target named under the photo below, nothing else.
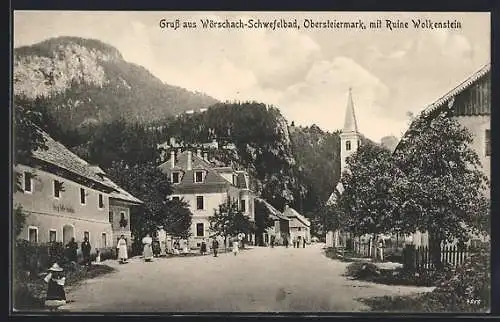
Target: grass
(371, 273)
(346, 256)
(29, 291)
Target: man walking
(86, 251)
(215, 246)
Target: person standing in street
(86, 251)
(235, 247)
(148, 250)
(303, 243)
(215, 246)
(72, 250)
(203, 248)
(122, 250)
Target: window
(198, 176)
(28, 182)
(103, 240)
(175, 177)
(176, 198)
(487, 141)
(33, 234)
(300, 228)
(57, 188)
(101, 201)
(199, 202)
(200, 230)
(52, 235)
(86, 234)
(123, 220)
(348, 145)
(243, 205)
(110, 217)
(83, 196)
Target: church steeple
(350, 136)
(350, 122)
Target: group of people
(71, 251)
(215, 247)
(297, 242)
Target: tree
(228, 220)
(440, 188)
(27, 139)
(366, 205)
(150, 185)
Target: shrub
(456, 288)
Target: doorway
(68, 233)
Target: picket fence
(419, 258)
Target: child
(56, 296)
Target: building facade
(201, 184)
(470, 104)
(280, 230)
(64, 197)
(300, 226)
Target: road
(257, 280)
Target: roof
(445, 100)
(121, 194)
(59, 156)
(335, 194)
(242, 180)
(292, 213)
(213, 178)
(350, 122)
(442, 102)
(275, 213)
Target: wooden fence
(419, 258)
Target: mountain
(84, 81)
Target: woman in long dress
(235, 247)
(148, 250)
(56, 296)
(122, 250)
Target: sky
(304, 72)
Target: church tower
(350, 139)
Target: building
(350, 140)
(470, 104)
(65, 197)
(281, 224)
(204, 187)
(300, 226)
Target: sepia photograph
(250, 162)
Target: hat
(56, 268)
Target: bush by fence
(35, 258)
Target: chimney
(172, 158)
(198, 152)
(189, 161)
(205, 156)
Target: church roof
(350, 122)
